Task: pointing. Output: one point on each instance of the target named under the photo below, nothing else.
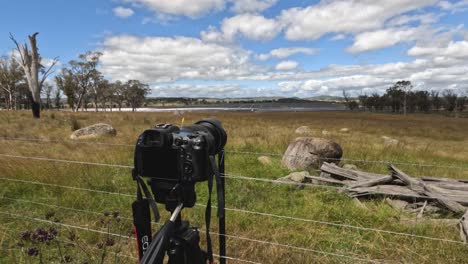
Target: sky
(254, 48)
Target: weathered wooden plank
(426, 190)
(436, 179)
(327, 180)
(459, 186)
(341, 173)
(376, 181)
(401, 192)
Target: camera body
(174, 159)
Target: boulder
(94, 131)
(306, 153)
(264, 160)
(344, 130)
(396, 204)
(300, 177)
(388, 141)
(325, 132)
(303, 130)
(350, 167)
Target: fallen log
(340, 173)
(436, 179)
(322, 179)
(396, 191)
(377, 181)
(451, 186)
(426, 190)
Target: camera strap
(142, 215)
(220, 211)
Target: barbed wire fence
(228, 176)
(239, 152)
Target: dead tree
(30, 61)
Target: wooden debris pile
(449, 194)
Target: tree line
(25, 83)
(85, 86)
(400, 98)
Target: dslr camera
(173, 159)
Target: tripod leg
(185, 248)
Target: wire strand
(353, 160)
(245, 153)
(131, 167)
(267, 215)
(279, 181)
(229, 236)
(100, 214)
(67, 161)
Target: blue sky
(243, 48)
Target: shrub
(74, 124)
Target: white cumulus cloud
(189, 8)
(198, 90)
(383, 38)
(123, 12)
(251, 6)
(286, 65)
(165, 59)
(282, 53)
(343, 16)
(252, 26)
(453, 49)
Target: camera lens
(217, 135)
(214, 127)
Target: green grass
(423, 139)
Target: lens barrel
(217, 135)
(216, 129)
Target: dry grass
(423, 139)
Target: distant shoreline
(241, 107)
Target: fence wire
(341, 225)
(199, 205)
(35, 140)
(13, 215)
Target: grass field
(423, 139)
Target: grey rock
(388, 141)
(306, 153)
(397, 204)
(344, 130)
(303, 130)
(350, 167)
(299, 176)
(264, 160)
(94, 131)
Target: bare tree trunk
(30, 62)
(36, 109)
(10, 100)
(404, 106)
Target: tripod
(178, 240)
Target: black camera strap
(149, 197)
(142, 215)
(220, 211)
